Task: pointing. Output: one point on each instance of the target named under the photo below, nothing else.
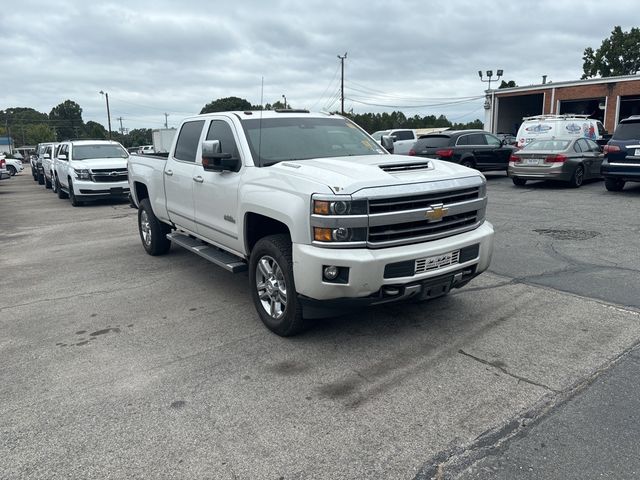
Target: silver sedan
(566, 160)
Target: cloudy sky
(421, 57)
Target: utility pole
(165, 120)
(106, 96)
(342, 82)
(121, 128)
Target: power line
(443, 104)
(335, 75)
(378, 94)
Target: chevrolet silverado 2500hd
(317, 211)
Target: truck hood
(100, 163)
(347, 175)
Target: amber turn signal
(322, 234)
(320, 207)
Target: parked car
(88, 170)
(146, 150)
(403, 139)
(4, 173)
(13, 165)
(48, 158)
(472, 148)
(541, 127)
(621, 162)
(567, 160)
(36, 165)
(508, 138)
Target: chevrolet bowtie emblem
(435, 213)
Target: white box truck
(162, 139)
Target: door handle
(168, 172)
(198, 179)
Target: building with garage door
(607, 99)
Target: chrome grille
(419, 230)
(421, 201)
(404, 167)
(108, 175)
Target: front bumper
(88, 190)
(366, 277)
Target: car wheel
(614, 184)
(34, 175)
(59, 191)
(153, 232)
(72, 196)
(272, 287)
(520, 182)
(12, 170)
(47, 183)
(40, 178)
(468, 163)
(54, 184)
(578, 177)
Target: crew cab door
(61, 165)
(179, 173)
(216, 193)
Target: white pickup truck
(317, 211)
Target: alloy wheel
(272, 287)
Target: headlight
(82, 173)
(340, 207)
(340, 234)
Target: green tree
(95, 131)
(139, 136)
(618, 55)
(228, 104)
(508, 84)
(39, 133)
(66, 118)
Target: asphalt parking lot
(116, 364)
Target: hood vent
(405, 167)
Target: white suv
(88, 170)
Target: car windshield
(433, 141)
(377, 136)
(83, 152)
(274, 140)
(547, 145)
(627, 131)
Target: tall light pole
(285, 102)
(490, 76)
(342, 58)
(488, 103)
(106, 96)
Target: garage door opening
(511, 110)
(629, 106)
(594, 107)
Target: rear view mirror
(47, 156)
(387, 142)
(214, 160)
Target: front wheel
(153, 232)
(47, 183)
(520, 182)
(614, 184)
(61, 194)
(578, 177)
(72, 196)
(272, 287)
(40, 178)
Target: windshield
(83, 152)
(627, 131)
(547, 145)
(274, 140)
(377, 136)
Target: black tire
(578, 177)
(272, 287)
(59, 191)
(47, 183)
(34, 175)
(614, 184)
(40, 178)
(12, 170)
(153, 232)
(467, 162)
(72, 196)
(519, 182)
(54, 184)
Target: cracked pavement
(121, 365)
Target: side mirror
(387, 142)
(213, 160)
(47, 156)
(62, 156)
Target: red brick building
(607, 99)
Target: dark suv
(622, 155)
(472, 148)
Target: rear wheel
(578, 177)
(47, 183)
(614, 184)
(520, 182)
(12, 170)
(59, 191)
(467, 162)
(40, 178)
(272, 287)
(153, 232)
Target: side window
(477, 139)
(220, 130)
(491, 140)
(463, 140)
(48, 151)
(187, 144)
(593, 146)
(601, 130)
(577, 147)
(58, 148)
(404, 135)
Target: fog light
(331, 272)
